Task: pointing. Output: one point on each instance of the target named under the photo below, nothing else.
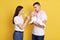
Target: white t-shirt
(18, 20)
(41, 15)
(35, 19)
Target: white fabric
(41, 15)
(33, 19)
(40, 22)
(18, 20)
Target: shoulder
(17, 18)
(42, 11)
(44, 16)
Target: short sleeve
(17, 20)
(44, 16)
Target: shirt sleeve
(17, 20)
(44, 16)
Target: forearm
(41, 26)
(25, 23)
(38, 25)
(20, 26)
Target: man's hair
(36, 3)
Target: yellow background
(7, 9)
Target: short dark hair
(36, 3)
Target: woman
(19, 23)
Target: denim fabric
(35, 37)
(18, 35)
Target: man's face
(36, 7)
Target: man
(39, 25)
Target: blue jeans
(18, 35)
(34, 37)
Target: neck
(20, 15)
(38, 10)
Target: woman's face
(21, 12)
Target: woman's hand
(27, 18)
(26, 21)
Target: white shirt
(35, 19)
(18, 20)
(41, 15)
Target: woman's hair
(17, 11)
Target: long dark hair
(17, 11)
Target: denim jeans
(34, 37)
(18, 35)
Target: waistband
(19, 31)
